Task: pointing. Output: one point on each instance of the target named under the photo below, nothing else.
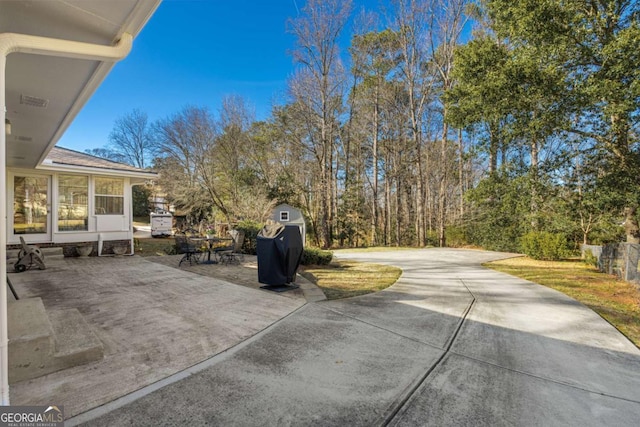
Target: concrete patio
(153, 320)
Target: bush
(432, 239)
(315, 256)
(140, 201)
(590, 258)
(251, 230)
(545, 246)
(455, 237)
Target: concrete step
(30, 339)
(75, 342)
(42, 342)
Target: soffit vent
(24, 138)
(33, 101)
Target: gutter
(36, 45)
(59, 167)
(24, 43)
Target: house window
(30, 204)
(109, 196)
(73, 203)
(284, 215)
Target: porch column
(4, 335)
(10, 43)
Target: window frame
(114, 196)
(59, 178)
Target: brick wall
(69, 249)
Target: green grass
(344, 279)
(615, 300)
(153, 247)
(141, 220)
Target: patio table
(210, 242)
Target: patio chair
(227, 254)
(29, 256)
(190, 250)
(238, 242)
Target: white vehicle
(161, 224)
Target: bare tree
(448, 21)
(374, 56)
(411, 22)
(317, 31)
(187, 164)
(205, 165)
(131, 138)
(233, 144)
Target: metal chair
(238, 242)
(229, 254)
(190, 250)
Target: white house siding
(112, 227)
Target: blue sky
(194, 52)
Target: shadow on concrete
(517, 359)
(153, 321)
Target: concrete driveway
(450, 344)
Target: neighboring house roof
(66, 158)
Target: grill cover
(279, 250)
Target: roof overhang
(134, 177)
(96, 171)
(45, 93)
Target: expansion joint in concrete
(394, 410)
(92, 414)
(357, 319)
(541, 378)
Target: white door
(31, 208)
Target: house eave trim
(95, 171)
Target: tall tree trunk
(442, 208)
(631, 226)
(461, 172)
(325, 195)
(387, 210)
(397, 212)
(376, 131)
(620, 147)
(493, 148)
(420, 193)
(334, 196)
(327, 156)
(535, 182)
(428, 196)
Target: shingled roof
(67, 157)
